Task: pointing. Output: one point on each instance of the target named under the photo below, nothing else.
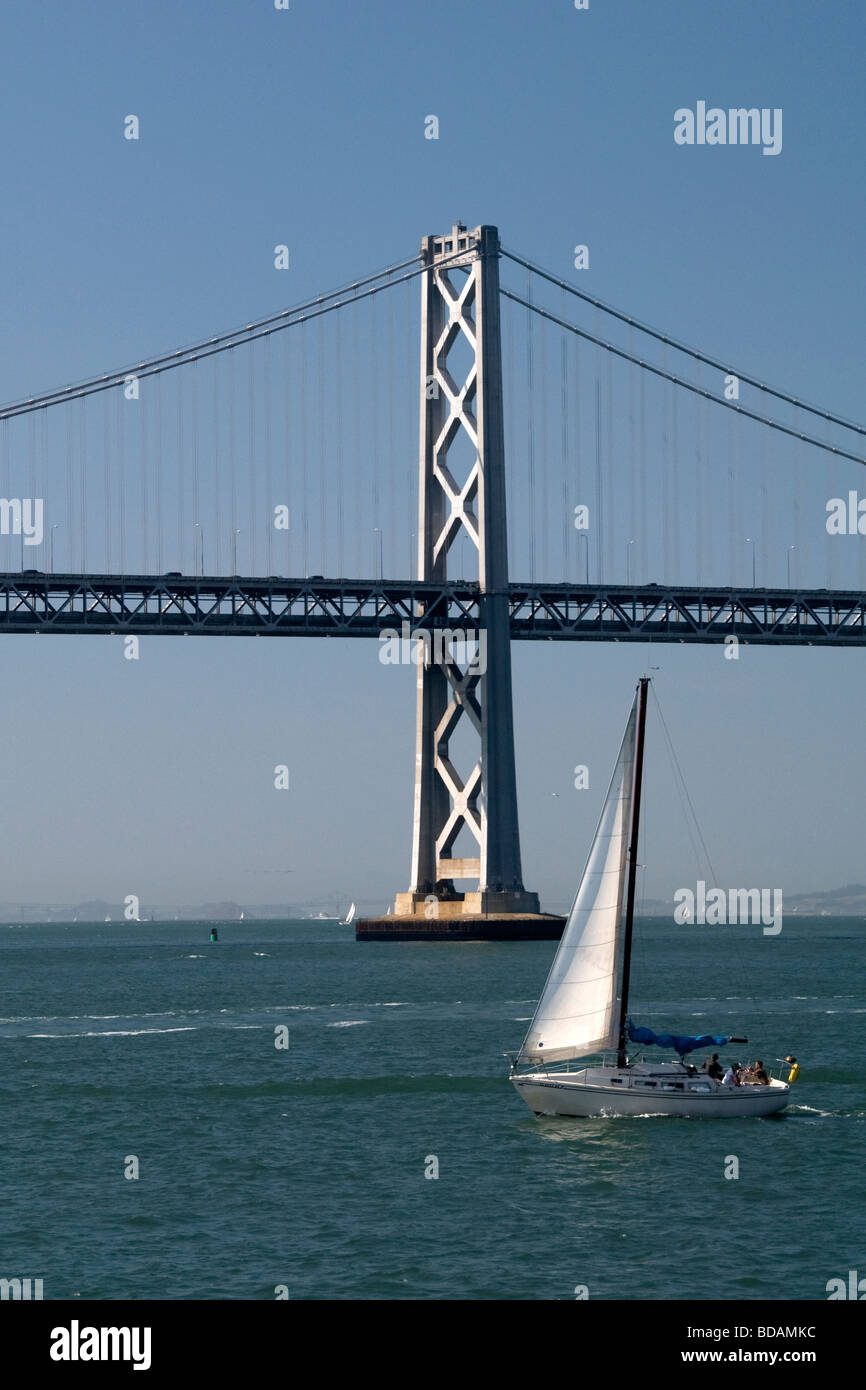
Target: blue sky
(306, 127)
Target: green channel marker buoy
(213, 934)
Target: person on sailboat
(732, 1075)
(714, 1067)
(756, 1075)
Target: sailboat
(350, 916)
(583, 1010)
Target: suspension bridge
(641, 488)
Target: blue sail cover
(680, 1044)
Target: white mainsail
(349, 915)
(575, 1014)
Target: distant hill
(849, 901)
(837, 902)
(98, 910)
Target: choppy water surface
(306, 1167)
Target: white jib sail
(575, 1014)
(350, 914)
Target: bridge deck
(315, 607)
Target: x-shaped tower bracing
(475, 689)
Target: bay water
(383, 1154)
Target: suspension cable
(680, 381)
(287, 318)
(683, 347)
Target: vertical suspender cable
(233, 498)
(180, 470)
(563, 450)
(218, 521)
(739, 528)
(767, 528)
(82, 449)
(287, 446)
(577, 494)
(703, 534)
(545, 569)
(120, 401)
(798, 567)
(305, 520)
(357, 457)
(637, 522)
(610, 471)
(341, 569)
(728, 454)
(677, 499)
(642, 475)
(599, 475)
(70, 511)
(252, 462)
(599, 503)
(106, 469)
(157, 473)
(373, 404)
(268, 512)
(31, 477)
(143, 407)
(530, 367)
(42, 485)
(392, 462)
(322, 565)
(829, 546)
(5, 426)
(666, 497)
(198, 536)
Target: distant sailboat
(107, 918)
(582, 1012)
(350, 915)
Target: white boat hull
(644, 1089)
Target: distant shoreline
(42, 915)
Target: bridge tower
(464, 685)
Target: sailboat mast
(632, 868)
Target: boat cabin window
(672, 1086)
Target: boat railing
(779, 1070)
(546, 1068)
